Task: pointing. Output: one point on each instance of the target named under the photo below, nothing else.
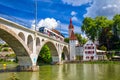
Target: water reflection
(70, 72)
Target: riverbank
(94, 62)
(8, 62)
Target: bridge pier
(27, 63)
(28, 68)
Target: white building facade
(89, 51)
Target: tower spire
(70, 20)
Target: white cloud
(103, 8)
(76, 2)
(74, 18)
(73, 13)
(33, 25)
(50, 23)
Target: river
(70, 72)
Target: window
(87, 57)
(85, 47)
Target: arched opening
(65, 54)
(49, 53)
(37, 44)
(6, 52)
(30, 43)
(17, 45)
(21, 35)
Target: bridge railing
(16, 20)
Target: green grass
(7, 62)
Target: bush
(5, 49)
(103, 48)
(5, 45)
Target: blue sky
(57, 13)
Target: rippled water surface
(69, 72)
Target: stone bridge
(27, 44)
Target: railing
(16, 20)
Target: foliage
(116, 25)
(45, 55)
(5, 45)
(104, 30)
(103, 48)
(89, 27)
(63, 56)
(5, 49)
(12, 55)
(0, 45)
(80, 39)
(66, 40)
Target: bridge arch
(65, 53)
(30, 42)
(37, 44)
(53, 50)
(14, 41)
(22, 36)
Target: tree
(99, 28)
(116, 25)
(103, 48)
(89, 27)
(80, 39)
(93, 27)
(66, 40)
(45, 55)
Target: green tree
(45, 55)
(80, 39)
(99, 28)
(66, 40)
(103, 48)
(116, 25)
(89, 27)
(93, 27)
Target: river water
(70, 72)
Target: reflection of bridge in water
(27, 44)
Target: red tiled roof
(56, 31)
(73, 37)
(71, 25)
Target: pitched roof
(73, 37)
(71, 25)
(56, 31)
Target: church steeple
(70, 21)
(71, 25)
(71, 31)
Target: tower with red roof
(73, 41)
